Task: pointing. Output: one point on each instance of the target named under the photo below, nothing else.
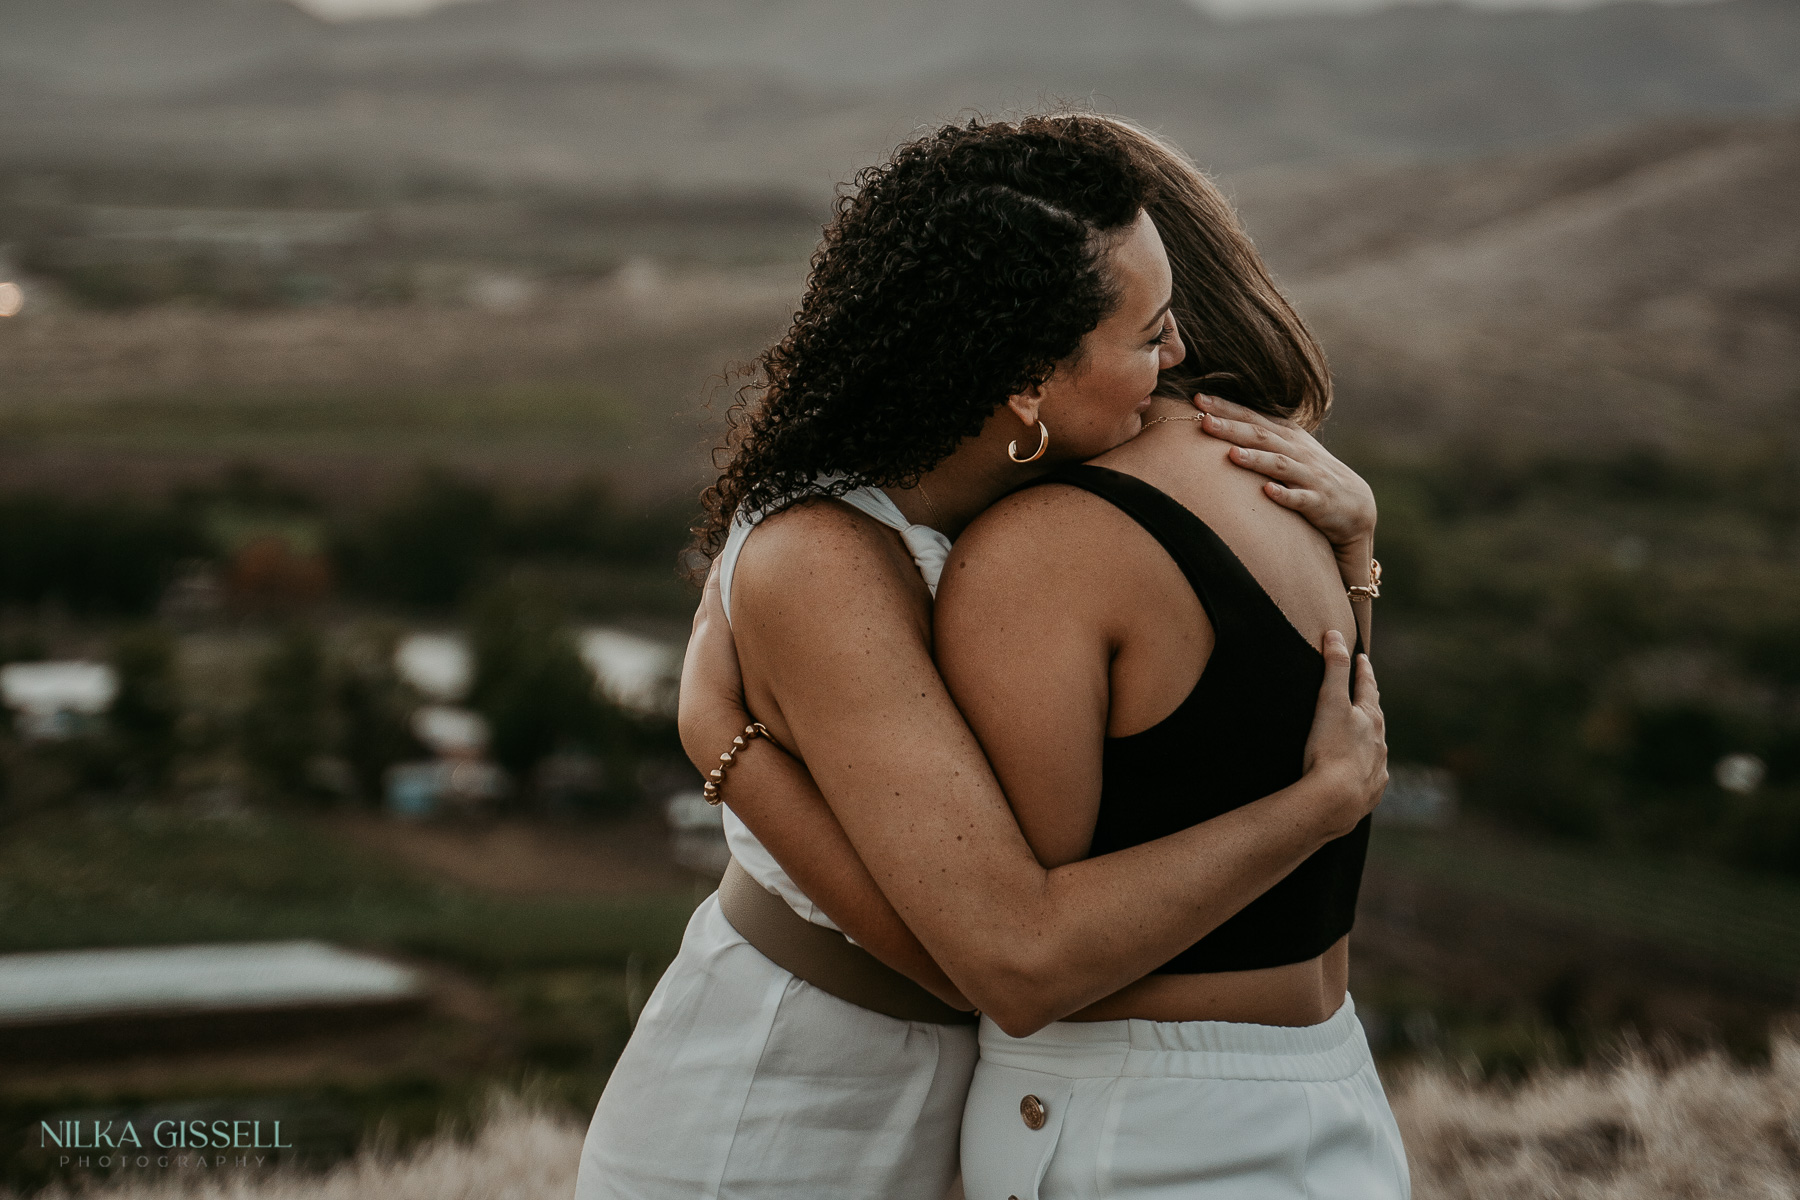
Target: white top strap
(929, 548)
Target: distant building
(425, 789)
(451, 732)
(52, 701)
(634, 672)
(152, 996)
(637, 673)
(438, 665)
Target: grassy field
(534, 994)
(1748, 922)
(611, 378)
(531, 993)
(1490, 954)
(403, 422)
(142, 876)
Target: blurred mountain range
(1569, 231)
(1635, 289)
(1628, 290)
(790, 96)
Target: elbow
(1021, 995)
(1019, 1020)
(700, 734)
(686, 728)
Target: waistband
(1333, 1049)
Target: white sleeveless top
(930, 550)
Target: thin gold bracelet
(710, 789)
(1373, 591)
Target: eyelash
(1162, 337)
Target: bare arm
(792, 822)
(832, 637)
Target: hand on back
(1347, 750)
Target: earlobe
(1025, 404)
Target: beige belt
(824, 958)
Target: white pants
(742, 1081)
(1155, 1110)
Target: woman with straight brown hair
(1134, 641)
(992, 283)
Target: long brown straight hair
(1244, 340)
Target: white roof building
(52, 699)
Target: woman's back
(1289, 559)
(1239, 734)
(1207, 702)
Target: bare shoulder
(1179, 453)
(1183, 462)
(818, 556)
(1049, 554)
(817, 527)
(1044, 530)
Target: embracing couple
(1025, 673)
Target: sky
(350, 10)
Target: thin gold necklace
(1160, 420)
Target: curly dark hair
(956, 274)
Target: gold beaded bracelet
(710, 790)
(1373, 591)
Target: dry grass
(1703, 1129)
(610, 379)
(1706, 1129)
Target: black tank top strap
(1235, 603)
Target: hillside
(1637, 288)
(1641, 288)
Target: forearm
(978, 917)
(772, 793)
(1094, 926)
(1026, 945)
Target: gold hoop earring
(1012, 448)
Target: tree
(144, 720)
(530, 683)
(285, 725)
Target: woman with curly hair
(987, 281)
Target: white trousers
(743, 1081)
(1155, 1110)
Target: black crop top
(1239, 736)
